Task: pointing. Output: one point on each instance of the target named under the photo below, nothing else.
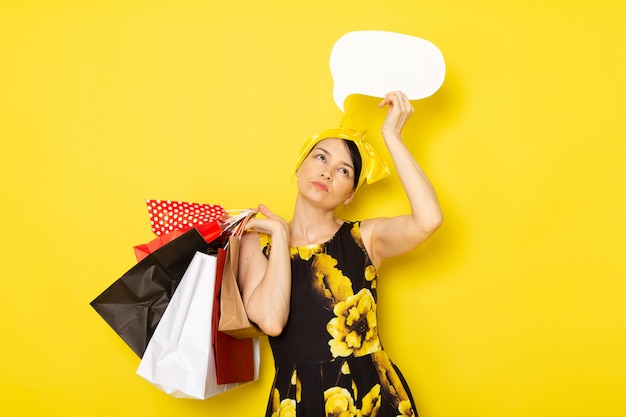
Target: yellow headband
(374, 166)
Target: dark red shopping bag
(234, 358)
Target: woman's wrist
(280, 235)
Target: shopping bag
(234, 358)
(170, 219)
(210, 231)
(135, 302)
(233, 318)
(179, 358)
(145, 249)
(167, 216)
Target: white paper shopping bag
(179, 359)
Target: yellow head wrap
(374, 166)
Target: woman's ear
(349, 198)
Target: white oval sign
(372, 63)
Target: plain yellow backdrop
(514, 308)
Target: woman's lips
(320, 185)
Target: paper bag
(233, 318)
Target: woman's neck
(311, 225)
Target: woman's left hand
(386, 237)
(400, 109)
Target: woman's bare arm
(388, 237)
(266, 283)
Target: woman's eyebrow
(346, 163)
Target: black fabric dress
(329, 360)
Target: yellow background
(514, 308)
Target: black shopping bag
(134, 304)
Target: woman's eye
(321, 157)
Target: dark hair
(355, 155)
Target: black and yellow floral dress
(329, 360)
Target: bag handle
(235, 223)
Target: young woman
(310, 283)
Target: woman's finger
(264, 210)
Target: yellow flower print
(405, 409)
(330, 281)
(370, 403)
(371, 275)
(284, 408)
(287, 409)
(392, 383)
(305, 252)
(296, 381)
(354, 330)
(339, 403)
(345, 368)
(370, 270)
(356, 235)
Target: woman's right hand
(272, 224)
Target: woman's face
(327, 173)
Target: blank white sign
(373, 63)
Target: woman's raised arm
(388, 237)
